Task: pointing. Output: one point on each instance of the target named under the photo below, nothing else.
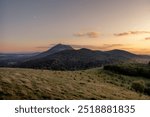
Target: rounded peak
(117, 50)
(59, 44)
(59, 47)
(85, 49)
(62, 46)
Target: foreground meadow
(16, 83)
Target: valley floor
(16, 83)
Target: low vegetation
(138, 86)
(16, 83)
(137, 70)
(141, 87)
(130, 69)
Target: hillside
(16, 83)
(130, 69)
(64, 57)
(70, 60)
(55, 49)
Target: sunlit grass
(85, 84)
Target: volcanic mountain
(55, 49)
(64, 57)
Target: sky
(36, 25)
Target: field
(16, 83)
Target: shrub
(147, 90)
(148, 84)
(130, 69)
(138, 86)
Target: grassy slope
(85, 84)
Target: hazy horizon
(35, 26)
(76, 47)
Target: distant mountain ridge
(64, 57)
(55, 49)
(121, 54)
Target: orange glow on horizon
(16, 49)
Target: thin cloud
(147, 38)
(106, 46)
(84, 46)
(102, 47)
(45, 47)
(131, 33)
(92, 34)
(87, 34)
(42, 47)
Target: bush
(147, 84)
(138, 86)
(130, 69)
(147, 90)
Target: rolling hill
(71, 59)
(17, 83)
(53, 50)
(64, 57)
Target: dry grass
(44, 84)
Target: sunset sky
(36, 25)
